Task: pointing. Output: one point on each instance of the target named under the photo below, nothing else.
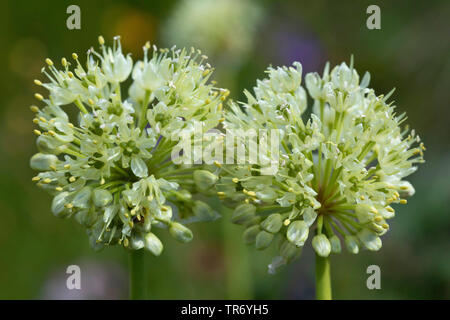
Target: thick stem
(138, 275)
(323, 280)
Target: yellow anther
(39, 96)
(251, 193)
(35, 178)
(385, 226)
(217, 164)
(247, 201)
(147, 45)
(220, 107)
(221, 119)
(53, 167)
(58, 189)
(235, 180)
(91, 102)
(69, 205)
(390, 209)
(102, 181)
(74, 56)
(67, 166)
(291, 190)
(101, 40)
(362, 197)
(37, 82)
(72, 179)
(37, 132)
(49, 62)
(47, 180)
(64, 62)
(70, 74)
(70, 125)
(125, 242)
(34, 109)
(378, 218)
(403, 188)
(373, 210)
(42, 119)
(206, 72)
(403, 201)
(164, 209)
(35, 121)
(220, 193)
(52, 133)
(396, 194)
(287, 222)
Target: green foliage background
(410, 52)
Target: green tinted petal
(321, 245)
(153, 244)
(297, 232)
(180, 232)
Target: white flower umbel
(341, 170)
(108, 165)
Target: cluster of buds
(109, 164)
(339, 173)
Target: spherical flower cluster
(218, 26)
(108, 163)
(339, 173)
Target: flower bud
(58, 205)
(370, 240)
(289, 251)
(204, 179)
(43, 162)
(321, 245)
(243, 213)
(180, 232)
(47, 144)
(335, 244)
(153, 244)
(204, 212)
(81, 200)
(137, 241)
(351, 243)
(297, 232)
(102, 197)
(263, 240)
(272, 223)
(250, 234)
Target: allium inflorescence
(339, 172)
(108, 163)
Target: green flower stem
(323, 280)
(138, 275)
(239, 283)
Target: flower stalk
(138, 275)
(323, 279)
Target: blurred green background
(410, 52)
